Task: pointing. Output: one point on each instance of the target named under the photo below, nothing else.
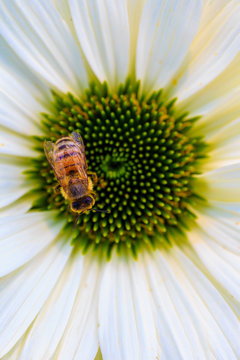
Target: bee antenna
(75, 224)
(103, 211)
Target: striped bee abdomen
(67, 157)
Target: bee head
(83, 204)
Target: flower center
(144, 156)
(114, 166)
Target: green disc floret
(145, 160)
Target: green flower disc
(145, 158)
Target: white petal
(40, 38)
(213, 124)
(14, 118)
(166, 32)
(213, 49)
(23, 237)
(222, 223)
(15, 144)
(223, 265)
(227, 208)
(103, 32)
(226, 150)
(64, 9)
(220, 128)
(221, 184)
(218, 92)
(13, 354)
(25, 291)
(23, 95)
(217, 322)
(80, 337)
(19, 206)
(126, 323)
(135, 8)
(12, 184)
(50, 323)
(181, 336)
(210, 10)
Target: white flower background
(176, 304)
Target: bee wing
(82, 173)
(49, 152)
(79, 142)
(48, 149)
(77, 138)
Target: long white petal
(174, 314)
(213, 124)
(221, 184)
(166, 32)
(23, 237)
(50, 324)
(126, 324)
(103, 32)
(220, 326)
(220, 128)
(135, 8)
(213, 49)
(218, 92)
(19, 206)
(14, 118)
(15, 144)
(12, 184)
(80, 340)
(64, 9)
(24, 292)
(221, 222)
(23, 95)
(13, 354)
(224, 146)
(36, 32)
(221, 263)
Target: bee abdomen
(66, 155)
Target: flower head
(153, 89)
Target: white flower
(181, 302)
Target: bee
(68, 160)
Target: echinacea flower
(153, 88)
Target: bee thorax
(77, 190)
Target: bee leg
(93, 194)
(93, 177)
(102, 182)
(57, 189)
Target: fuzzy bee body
(68, 160)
